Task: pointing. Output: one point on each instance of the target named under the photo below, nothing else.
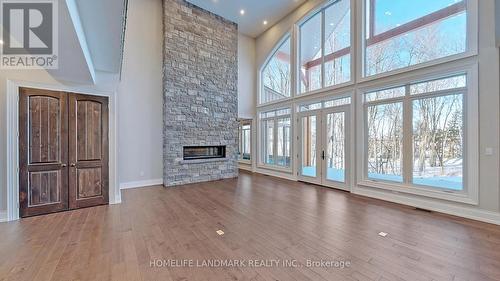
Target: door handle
(63, 165)
(73, 165)
(323, 155)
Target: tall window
(402, 33)
(276, 76)
(434, 144)
(276, 137)
(438, 133)
(245, 141)
(385, 141)
(311, 53)
(325, 41)
(283, 142)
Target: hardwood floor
(264, 218)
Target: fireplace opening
(204, 152)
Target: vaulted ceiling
(250, 23)
(90, 39)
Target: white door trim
(13, 141)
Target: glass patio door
(324, 147)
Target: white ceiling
(103, 25)
(73, 65)
(256, 11)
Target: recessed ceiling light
(242, 11)
(265, 22)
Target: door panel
(89, 183)
(89, 130)
(44, 129)
(44, 188)
(336, 147)
(42, 153)
(310, 147)
(88, 151)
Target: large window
(311, 53)
(276, 76)
(385, 140)
(431, 146)
(412, 132)
(245, 134)
(325, 41)
(283, 142)
(402, 33)
(276, 138)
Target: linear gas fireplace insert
(204, 152)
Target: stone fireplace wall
(200, 99)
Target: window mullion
(407, 168)
(371, 26)
(275, 141)
(294, 62)
(323, 48)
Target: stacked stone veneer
(200, 100)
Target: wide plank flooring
(276, 229)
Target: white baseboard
(273, 173)
(450, 209)
(245, 167)
(115, 202)
(3, 216)
(136, 184)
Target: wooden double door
(63, 151)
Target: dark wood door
(63, 151)
(88, 151)
(43, 157)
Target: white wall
(246, 76)
(141, 100)
(489, 108)
(497, 23)
(139, 97)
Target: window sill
(246, 162)
(275, 168)
(460, 197)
